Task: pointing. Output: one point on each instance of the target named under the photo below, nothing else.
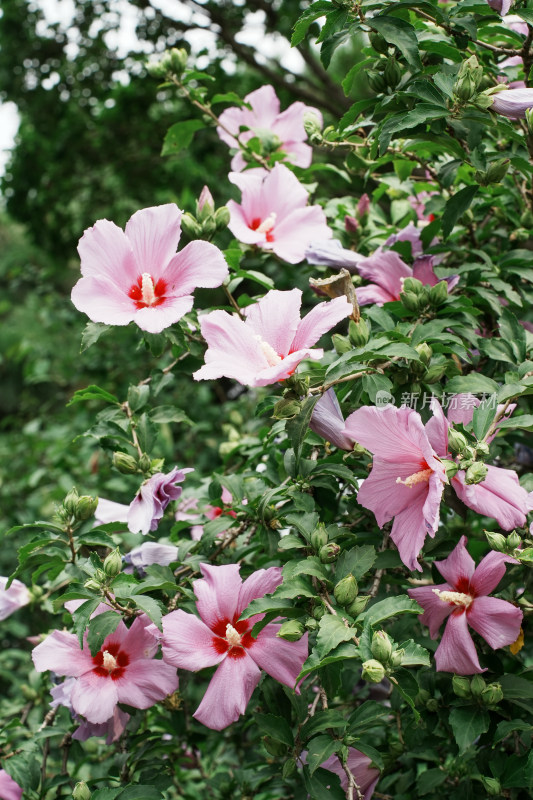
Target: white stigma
(417, 477)
(147, 288)
(109, 663)
(268, 223)
(268, 352)
(233, 637)
(457, 598)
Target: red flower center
(145, 293)
(265, 226)
(111, 662)
(233, 638)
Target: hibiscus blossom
(9, 789)
(328, 422)
(112, 729)
(123, 671)
(264, 117)
(13, 598)
(274, 214)
(136, 275)
(463, 600)
(268, 345)
(365, 776)
(220, 638)
(407, 478)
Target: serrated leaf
(150, 606)
(414, 654)
(298, 426)
(323, 720)
(367, 715)
(320, 748)
(161, 414)
(467, 723)
(429, 780)
(508, 727)
(390, 607)
(101, 626)
(455, 208)
(180, 135)
(356, 561)
(525, 422)
(81, 617)
(331, 632)
(92, 392)
(401, 34)
(91, 334)
(474, 383)
(482, 418)
(263, 604)
(314, 11)
(295, 587)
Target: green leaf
(467, 723)
(276, 727)
(525, 422)
(314, 11)
(332, 631)
(161, 414)
(429, 780)
(414, 654)
(100, 627)
(146, 432)
(401, 34)
(92, 392)
(514, 334)
(323, 785)
(422, 112)
(298, 426)
(390, 607)
(475, 383)
(180, 135)
(91, 334)
(322, 720)
(341, 653)
(356, 561)
(295, 587)
(310, 566)
(140, 793)
(368, 715)
(373, 383)
(150, 606)
(320, 748)
(263, 604)
(455, 208)
(482, 417)
(81, 617)
(508, 727)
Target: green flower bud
(492, 695)
(346, 590)
(92, 584)
(319, 537)
(410, 301)
(145, 463)
(482, 449)
(373, 671)
(497, 541)
(190, 226)
(311, 624)
(422, 697)
(358, 605)
(491, 785)
(71, 501)
(341, 343)
(376, 81)
(113, 563)
(438, 294)
(292, 630)
(425, 352)
(392, 73)
(289, 768)
(381, 646)
(434, 373)
(125, 463)
(358, 332)
(457, 441)
(529, 120)
(451, 467)
(397, 657)
(497, 171)
(273, 746)
(329, 552)
(464, 88)
(526, 219)
(85, 507)
(156, 68)
(286, 408)
(412, 285)
(378, 43)
(81, 791)
(432, 704)
(477, 685)
(222, 218)
(205, 205)
(311, 123)
(513, 540)
(461, 686)
(318, 612)
(178, 59)
(476, 473)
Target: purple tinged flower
(512, 103)
(501, 6)
(464, 600)
(407, 478)
(331, 253)
(268, 345)
(264, 116)
(152, 553)
(112, 729)
(136, 275)
(274, 214)
(366, 777)
(328, 422)
(123, 671)
(218, 637)
(206, 198)
(363, 206)
(13, 598)
(9, 789)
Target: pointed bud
(329, 552)
(412, 285)
(292, 630)
(425, 352)
(461, 686)
(85, 507)
(222, 218)
(432, 705)
(113, 563)
(71, 501)
(434, 373)
(289, 768)
(457, 441)
(497, 171)
(397, 657)
(346, 590)
(438, 294)
(451, 468)
(190, 226)
(319, 537)
(358, 332)
(125, 463)
(410, 301)
(350, 224)
(311, 624)
(392, 73)
(381, 646)
(178, 59)
(358, 605)
(373, 671)
(378, 43)
(312, 126)
(92, 585)
(145, 463)
(81, 791)
(205, 205)
(492, 695)
(514, 540)
(341, 343)
(497, 541)
(376, 81)
(476, 473)
(363, 207)
(477, 685)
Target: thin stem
(127, 410)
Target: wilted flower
(136, 275)
(512, 103)
(13, 598)
(463, 599)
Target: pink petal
(13, 598)
(431, 508)
(255, 205)
(489, 572)
(9, 789)
(365, 776)
(218, 593)
(103, 301)
(146, 682)
(139, 642)
(499, 496)
(296, 229)
(289, 126)
(188, 642)
(155, 319)
(106, 252)
(275, 318)
(239, 224)
(61, 653)
(410, 529)
(259, 583)
(283, 370)
(153, 553)
(265, 107)
(435, 609)
(456, 651)
(381, 493)
(458, 567)
(497, 621)
(154, 234)
(198, 264)
(232, 349)
(437, 429)
(282, 660)
(461, 408)
(283, 193)
(298, 153)
(385, 268)
(95, 697)
(423, 271)
(373, 294)
(320, 319)
(228, 693)
(109, 511)
(327, 421)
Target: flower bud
(311, 624)
(425, 352)
(378, 43)
(113, 563)
(482, 449)
(292, 630)
(71, 501)
(392, 73)
(363, 206)
(85, 507)
(286, 408)
(397, 657)
(311, 122)
(358, 332)
(341, 344)
(381, 646)
(145, 463)
(438, 294)
(222, 217)
(373, 671)
(491, 785)
(273, 746)
(412, 285)
(318, 612)
(358, 605)
(376, 81)
(289, 768)
(432, 704)
(157, 67)
(434, 373)
(461, 686)
(190, 226)
(514, 540)
(125, 463)
(410, 301)
(81, 791)
(476, 473)
(329, 552)
(205, 205)
(319, 537)
(464, 88)
(350, 224)
(178, 59)
(92, 585)
(346, 590)
(497, 541)
(457, 441)
(451, 467)
(492, 695)
(497, 171)
(477, 685)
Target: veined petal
(198, 264)
(320, 319)
(61, 653)
(295, 230)
(382, 494)
(94, 697)
(289, 126)
(275, 318)
(239, 224)
(109, 511)
(328, 422)
(105, 251)
(229, 692)
(423, 271)
(154, 234)
(410, 529)
(232, 349)
(298, 153)
(282, 660)
(283, 192)
(499, 496)
(259, 583)
(373, 294)
(435, 609)
(456, 651)
(218, 593)
(437, 429)
(459, 567)
(145, 682)
(9, 789)
(155, 319)
(497, 621)
(188, 642)
(489, 572)
(385, 268)
(285, 368)
(103, 300)
(139, 642)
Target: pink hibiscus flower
(136, 275)
(268, 345)
(407, 478)
(9, 789)
(123, 671)
(112, 729)
(13, 598)
(220, 638)
(500, 495)
(264, 116)
(274, 214)
(463, 600)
